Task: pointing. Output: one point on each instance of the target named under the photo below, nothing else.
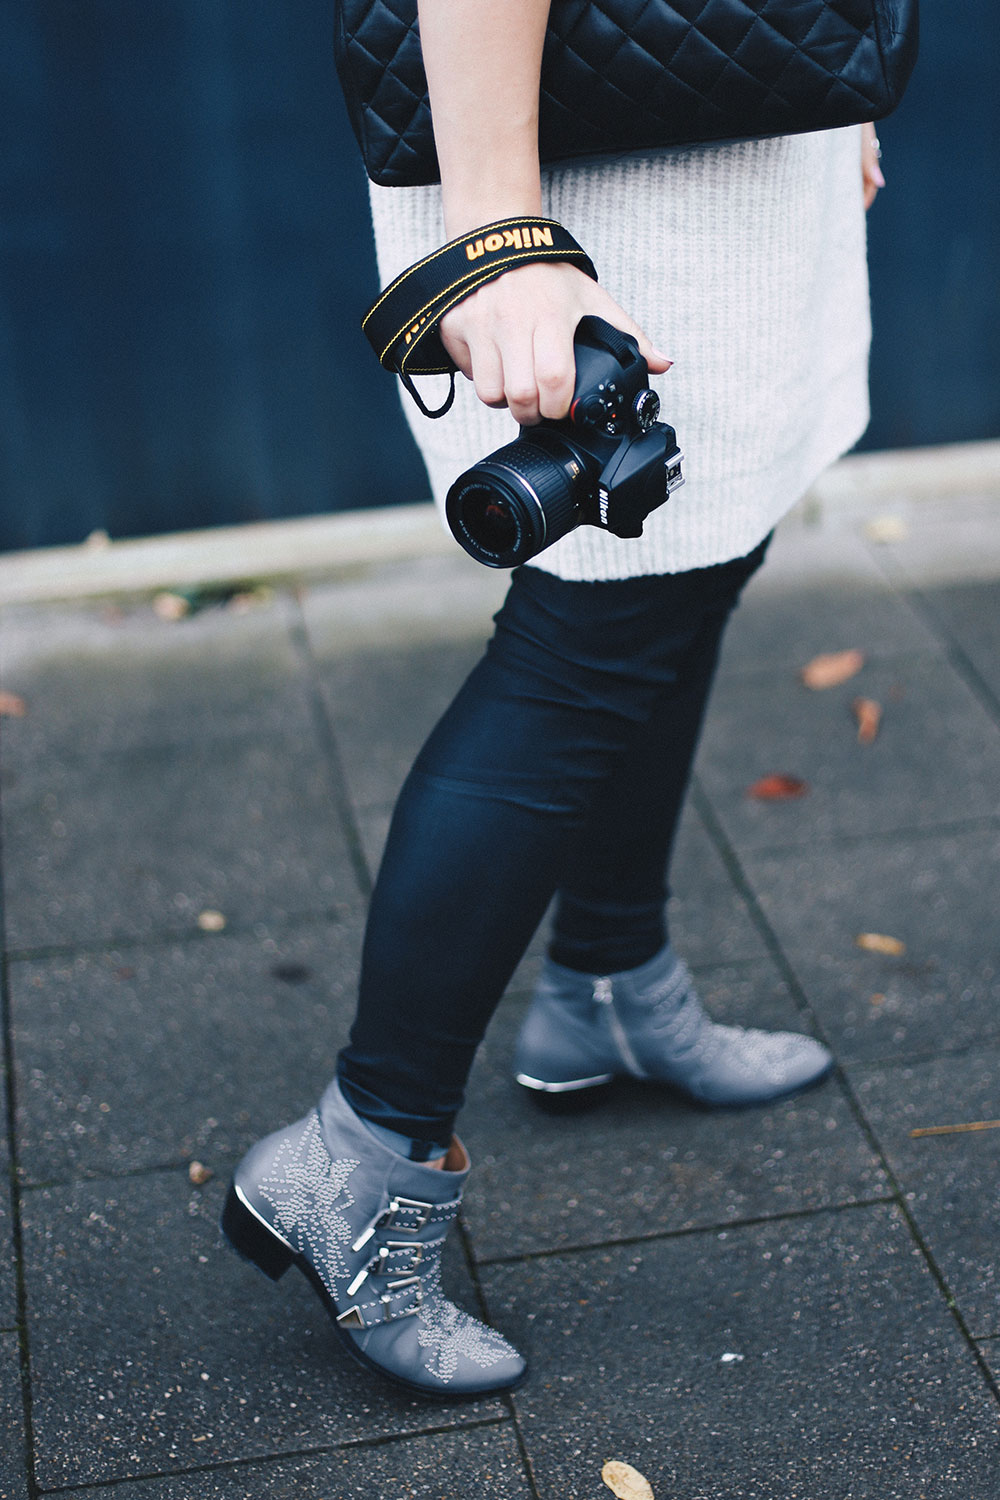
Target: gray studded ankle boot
(367, 1228)
(583, 1030)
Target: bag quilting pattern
(622, 75)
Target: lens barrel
(521, 498)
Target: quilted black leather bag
(620, 76)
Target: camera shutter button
(593, 410)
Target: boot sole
(255, 1242)
(575, 1096)
(567, 1098)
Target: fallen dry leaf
(211, 921)
(831, 669)
(199, 1174)
(880, 942)
(627, 1483)
(248, 599)
(956, 1129)
(884, 529)
(171, 607)
(777, 788)
(13, 706)
(868, 713)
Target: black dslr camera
(608, 463)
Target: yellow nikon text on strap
(402, 324)
(525, 237)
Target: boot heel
(250, 1238)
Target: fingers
(514, 338)
(871, 172)
(516, 343)
(555, 374)
(657, 361)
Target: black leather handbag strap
(402, 324)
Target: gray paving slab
(936, 759)
(951, 1181)
(787, 628)
(383, 706)
(950, 538)
(8, 1303)
(937, 895)
(822, 546)
(142, 842)
(131, 1060)
(109, 678)
(155, 1348)
(387, 606)
(8, 1298)
(13, 1449)
(708, 917)
(811, 1359)
(373, 830)
(643, 1161)
(480, 1460)
(969, 615)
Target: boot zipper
(604, 995)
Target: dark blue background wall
(184, 253)
(935, 240)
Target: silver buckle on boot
(377, 1266)
(354, 1318)
(385, 1219)
(403, 1205)
(388, 1313)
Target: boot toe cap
(751, 1067)
(443, 1352)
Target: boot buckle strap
(395, 1247)
(406, 1283)
(384, 1262)
(404, 1215)
(353, 1317)
(407, 1215)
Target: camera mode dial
(646, 409)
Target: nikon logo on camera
(510, 239)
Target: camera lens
(487, 515)
(518, 500)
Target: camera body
(608, 463)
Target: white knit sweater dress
(745, 264)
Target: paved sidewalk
(798, 1301)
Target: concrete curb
(340, 544)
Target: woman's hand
(871, 172)
(514, 337)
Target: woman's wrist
(486, 186)
(464, 212)
(483, 63)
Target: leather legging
(559, 769)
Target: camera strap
(402, 325)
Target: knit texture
(744, 263)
